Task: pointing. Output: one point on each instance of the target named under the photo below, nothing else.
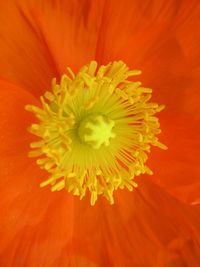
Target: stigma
(94, 131)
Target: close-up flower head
(99, 133)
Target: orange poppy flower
(155, 225)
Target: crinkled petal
(160, 38)
(40, 39)
(23, 205)
(177, 169)
(146, 227)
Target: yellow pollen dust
(95, 130)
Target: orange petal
(19, 175)
(27, 212)
(146, 227)
(44, 38)
(131, 30)
(69, 29)
(15, 167)
(178, 169)
(141, 229)
(160, 38)
(25, 59)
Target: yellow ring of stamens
(95, 130)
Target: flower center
(95, 130)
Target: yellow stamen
(95, 130)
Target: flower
(157, 224)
